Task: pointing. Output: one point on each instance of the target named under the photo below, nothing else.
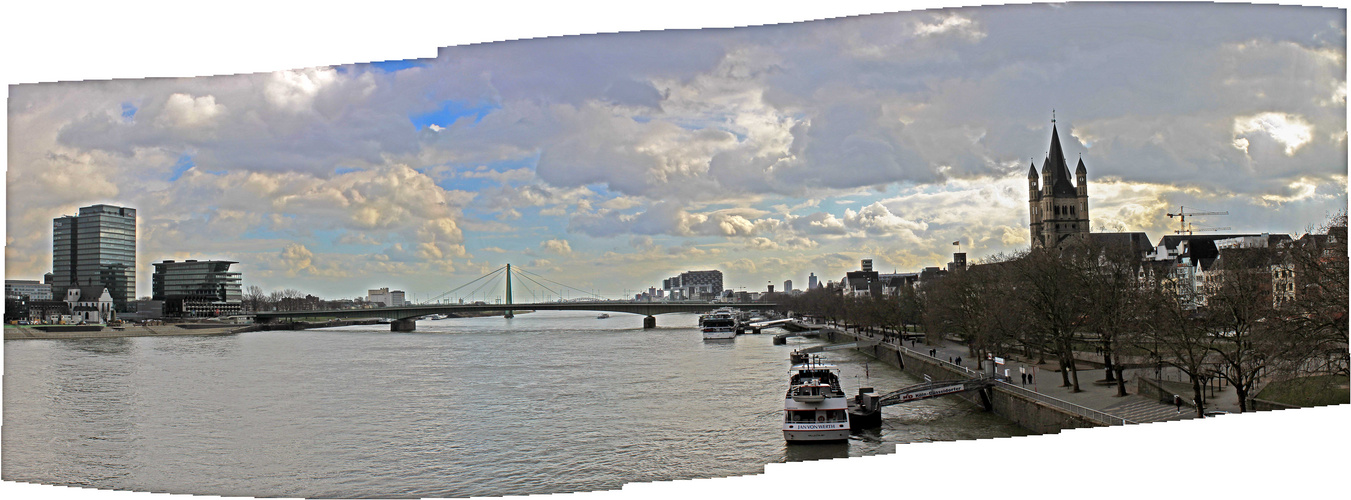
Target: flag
(956, 243)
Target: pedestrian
(959, 360)
(1029, 378)
(1023, 378)
(949, 359)
(1177, 400)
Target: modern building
(30, 289)
(694, 285)
(96, 248)
(865, 282)
(1059, 208)
(384, 296)
(195, 288)
(812, 284)
(788, 286)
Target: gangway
(800, 356)
(865, 410)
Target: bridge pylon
(508, 313)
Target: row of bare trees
(255, 300)
(1080, 299)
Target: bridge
(404, 318)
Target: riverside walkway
(1094, 398)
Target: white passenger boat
(815, 408)
(602, 316)
(718, 325)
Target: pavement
(1101, 396)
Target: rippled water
(545, 402)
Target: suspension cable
(584, 292)
(438, 297)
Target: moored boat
(718, 325)
(815, 408)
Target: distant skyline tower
(96, 248)
(811, 281)
(787, 286)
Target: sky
(609, 162)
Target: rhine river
(546, 402)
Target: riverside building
(197, 288)
(694, 285)
(96, 248)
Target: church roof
(1059, 170)
(1032, 171)
(1080, 170)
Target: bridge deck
(409, 312)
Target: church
(1059, 208)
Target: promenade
(1095, 394)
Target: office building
(812, 284)
(694, 285)
(386, 297)
(787, 286)
(96, 248)
(30, 289)
(197, 288)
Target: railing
(1089, 414)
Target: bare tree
(1052, 288)
(1176, 336)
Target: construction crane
(1186, 228)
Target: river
(545, 402)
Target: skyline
(768, 152)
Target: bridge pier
(403, 325)
(649, 322)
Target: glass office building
(197, 288)
(96, 248)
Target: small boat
(815, 407)
(602, 316)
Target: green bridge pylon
(508, 313)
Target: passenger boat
(815, 408)
(718, 325)
(602, 316)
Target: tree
(1114, 290)
(1176, 336)
(254, 298)
(1240, 315)
(1052, 287)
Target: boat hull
(827, 433)
(719, 335)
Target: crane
(1185, 228)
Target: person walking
(1177, 400)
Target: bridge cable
(438, 297)
(532, 280)
(476, 289)
(584, 292)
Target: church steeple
(1060, 209)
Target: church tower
(1059, 208)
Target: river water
(545, 402)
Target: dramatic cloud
(773, 151)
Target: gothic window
(1071, 210)
(1057, 210)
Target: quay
(105, 332)
(1042, 406)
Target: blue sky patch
(128, 111)
(450, 111)
(397, 65)
(183, 164)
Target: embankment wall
(1027, 413)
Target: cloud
(1292, 131)
(183, 110)
(560, 247)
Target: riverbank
(1040, 405)
(38, 333)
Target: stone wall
(1027, 413)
